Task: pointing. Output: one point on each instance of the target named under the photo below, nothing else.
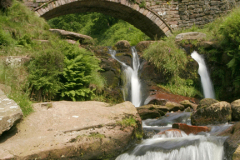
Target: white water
(131, 79)
(175, 144)
(205, 78)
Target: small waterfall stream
(172, 144)
(132, 83)
(205, 78)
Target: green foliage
(166, 56)
(44, 70)
(182, 87)
(15, 77)
(122, 31)
(230, 41)
(127, 122)
(80, 70)
(5, 38)
(105, 29)
(142, 4)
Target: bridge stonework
(157, 18)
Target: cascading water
(172, 144)
(131, 79)
(205, 78)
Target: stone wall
(186, 13)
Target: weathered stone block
(10, 113)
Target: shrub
(44, 70)
(80, 70)
(166, 56)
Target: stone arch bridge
(143, 18)
(157, 18)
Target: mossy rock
(206, 102)
(150, 111)
(232, 143)
(217, 113)
(236, 110)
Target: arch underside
(117, 10)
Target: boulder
(10, 113)
(172, 106)
(73, 130)
(236, 154)
(232, 143)
(123, 46)
(216, 113)
(236, 110)
(206, 102)
(83, 39)
(190, 129)
(151, 111)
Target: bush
(80, 70)
(166, 56)
(44, 70)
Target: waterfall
(205, 78)
(174, 144)
(131, 80)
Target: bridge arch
(144, 19)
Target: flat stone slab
(70, 129)
(10, 112)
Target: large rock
(232, 143)
(73, 130)
(206, 102)
(123, 46)
(72, 35)
(236, 110)
(216, 113)
(151, 111)
(10, 113)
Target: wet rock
(83, 39)
(123, 46)
(236, 110)
(216, 113)
(190, 129)
(78, 130)
(146, 113)
(10, 113)
(187, 103)
(232, 143)
(151, 111)
(206, 102)
(172, 106)
(236, 154)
